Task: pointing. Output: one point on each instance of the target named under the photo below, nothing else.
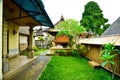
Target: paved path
(34, 70)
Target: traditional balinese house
(53, 32)
(20, 13)
(62, 40)
(59, 40)
(42, 32)
(95, 45)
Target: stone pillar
(30, 40)
(31, 37)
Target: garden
(74, 64)
(73, 68)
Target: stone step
(94, 64)
(17, 65)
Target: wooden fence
(94, 54)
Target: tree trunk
(113, 70)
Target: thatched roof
(61, 39)
(113, 29)
(102, 40)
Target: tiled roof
(62, 39)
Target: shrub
(35, 48)
(75, 52)
(61, 52)
(83, 49)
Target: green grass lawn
(37, 53)
(73, 68)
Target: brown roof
(62, 39)
(102, 40)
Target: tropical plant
(93, 19)
(64, 32)
(41, 38)
(61, 52)
(35, 48)
(75, 52)
(72, 28)
(108, 54)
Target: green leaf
(112, 62)
(104, 63)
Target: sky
(74, 9)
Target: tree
(41, 38)
(70, 27)
(107, 55)
(93, 19)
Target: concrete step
(17, 65)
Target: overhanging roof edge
(45, 15)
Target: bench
(94, 64)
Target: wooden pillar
(30, 37)
(30, 40)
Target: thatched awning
(102, 40)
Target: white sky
(74, 9)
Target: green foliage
(75, 52)
(64, 32)
(83, 49)
(35, 48)
(37, 53)
(72, 26)
(41, 38)
(61, 52)
(93, 19)
(106, 26)
(108, 54)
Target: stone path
(34, 70)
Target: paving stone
(35, 69)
